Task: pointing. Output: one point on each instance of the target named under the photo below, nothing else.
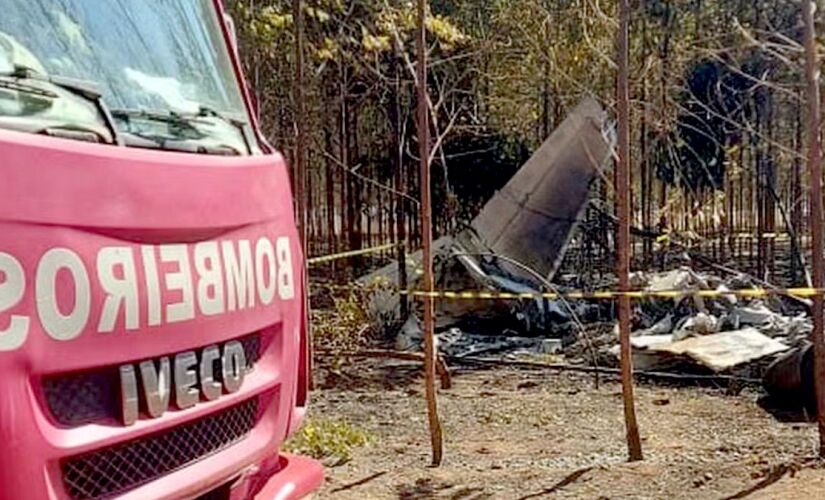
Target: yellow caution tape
(801, 292)
(613, 294)
(596, 295)
(737, 236)
(764, 236)
(352, 253)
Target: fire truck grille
(76, 399)
(115, 470)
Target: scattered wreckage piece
(725, 350)
(718, 352)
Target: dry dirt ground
(536, 434)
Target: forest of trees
(717, 112)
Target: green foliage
(343, 326)
(328, 439)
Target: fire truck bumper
(293, 478)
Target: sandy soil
(534, 434)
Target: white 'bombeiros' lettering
(180, 280)
(57, 325)
(121, 291)
(240, 275)
(12, 288)
(210, 278)
(286, 282)
(219, 277)
(150, 269)
(265, 268)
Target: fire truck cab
(153, 315)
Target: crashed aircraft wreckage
(516, 244)
(518, 240)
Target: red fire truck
(153, 317)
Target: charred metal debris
(516, 244)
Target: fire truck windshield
(156, 63)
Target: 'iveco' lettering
(190, 377)
(130, 287)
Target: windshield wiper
(179, 126)
(13, 84)
(206, 111)
(241, 125)
(182, 132)
(88, 90)
(182, 145)
(178, 118)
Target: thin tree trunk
(796, 198)
(770, 188)
(427, 235)
(356, 192)
(646, 178)
(398, 176)
(343, 144)
(299, 164)
(545, 100)
(331, 236)
(815, 166)
(634, 444)
(664, 57)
